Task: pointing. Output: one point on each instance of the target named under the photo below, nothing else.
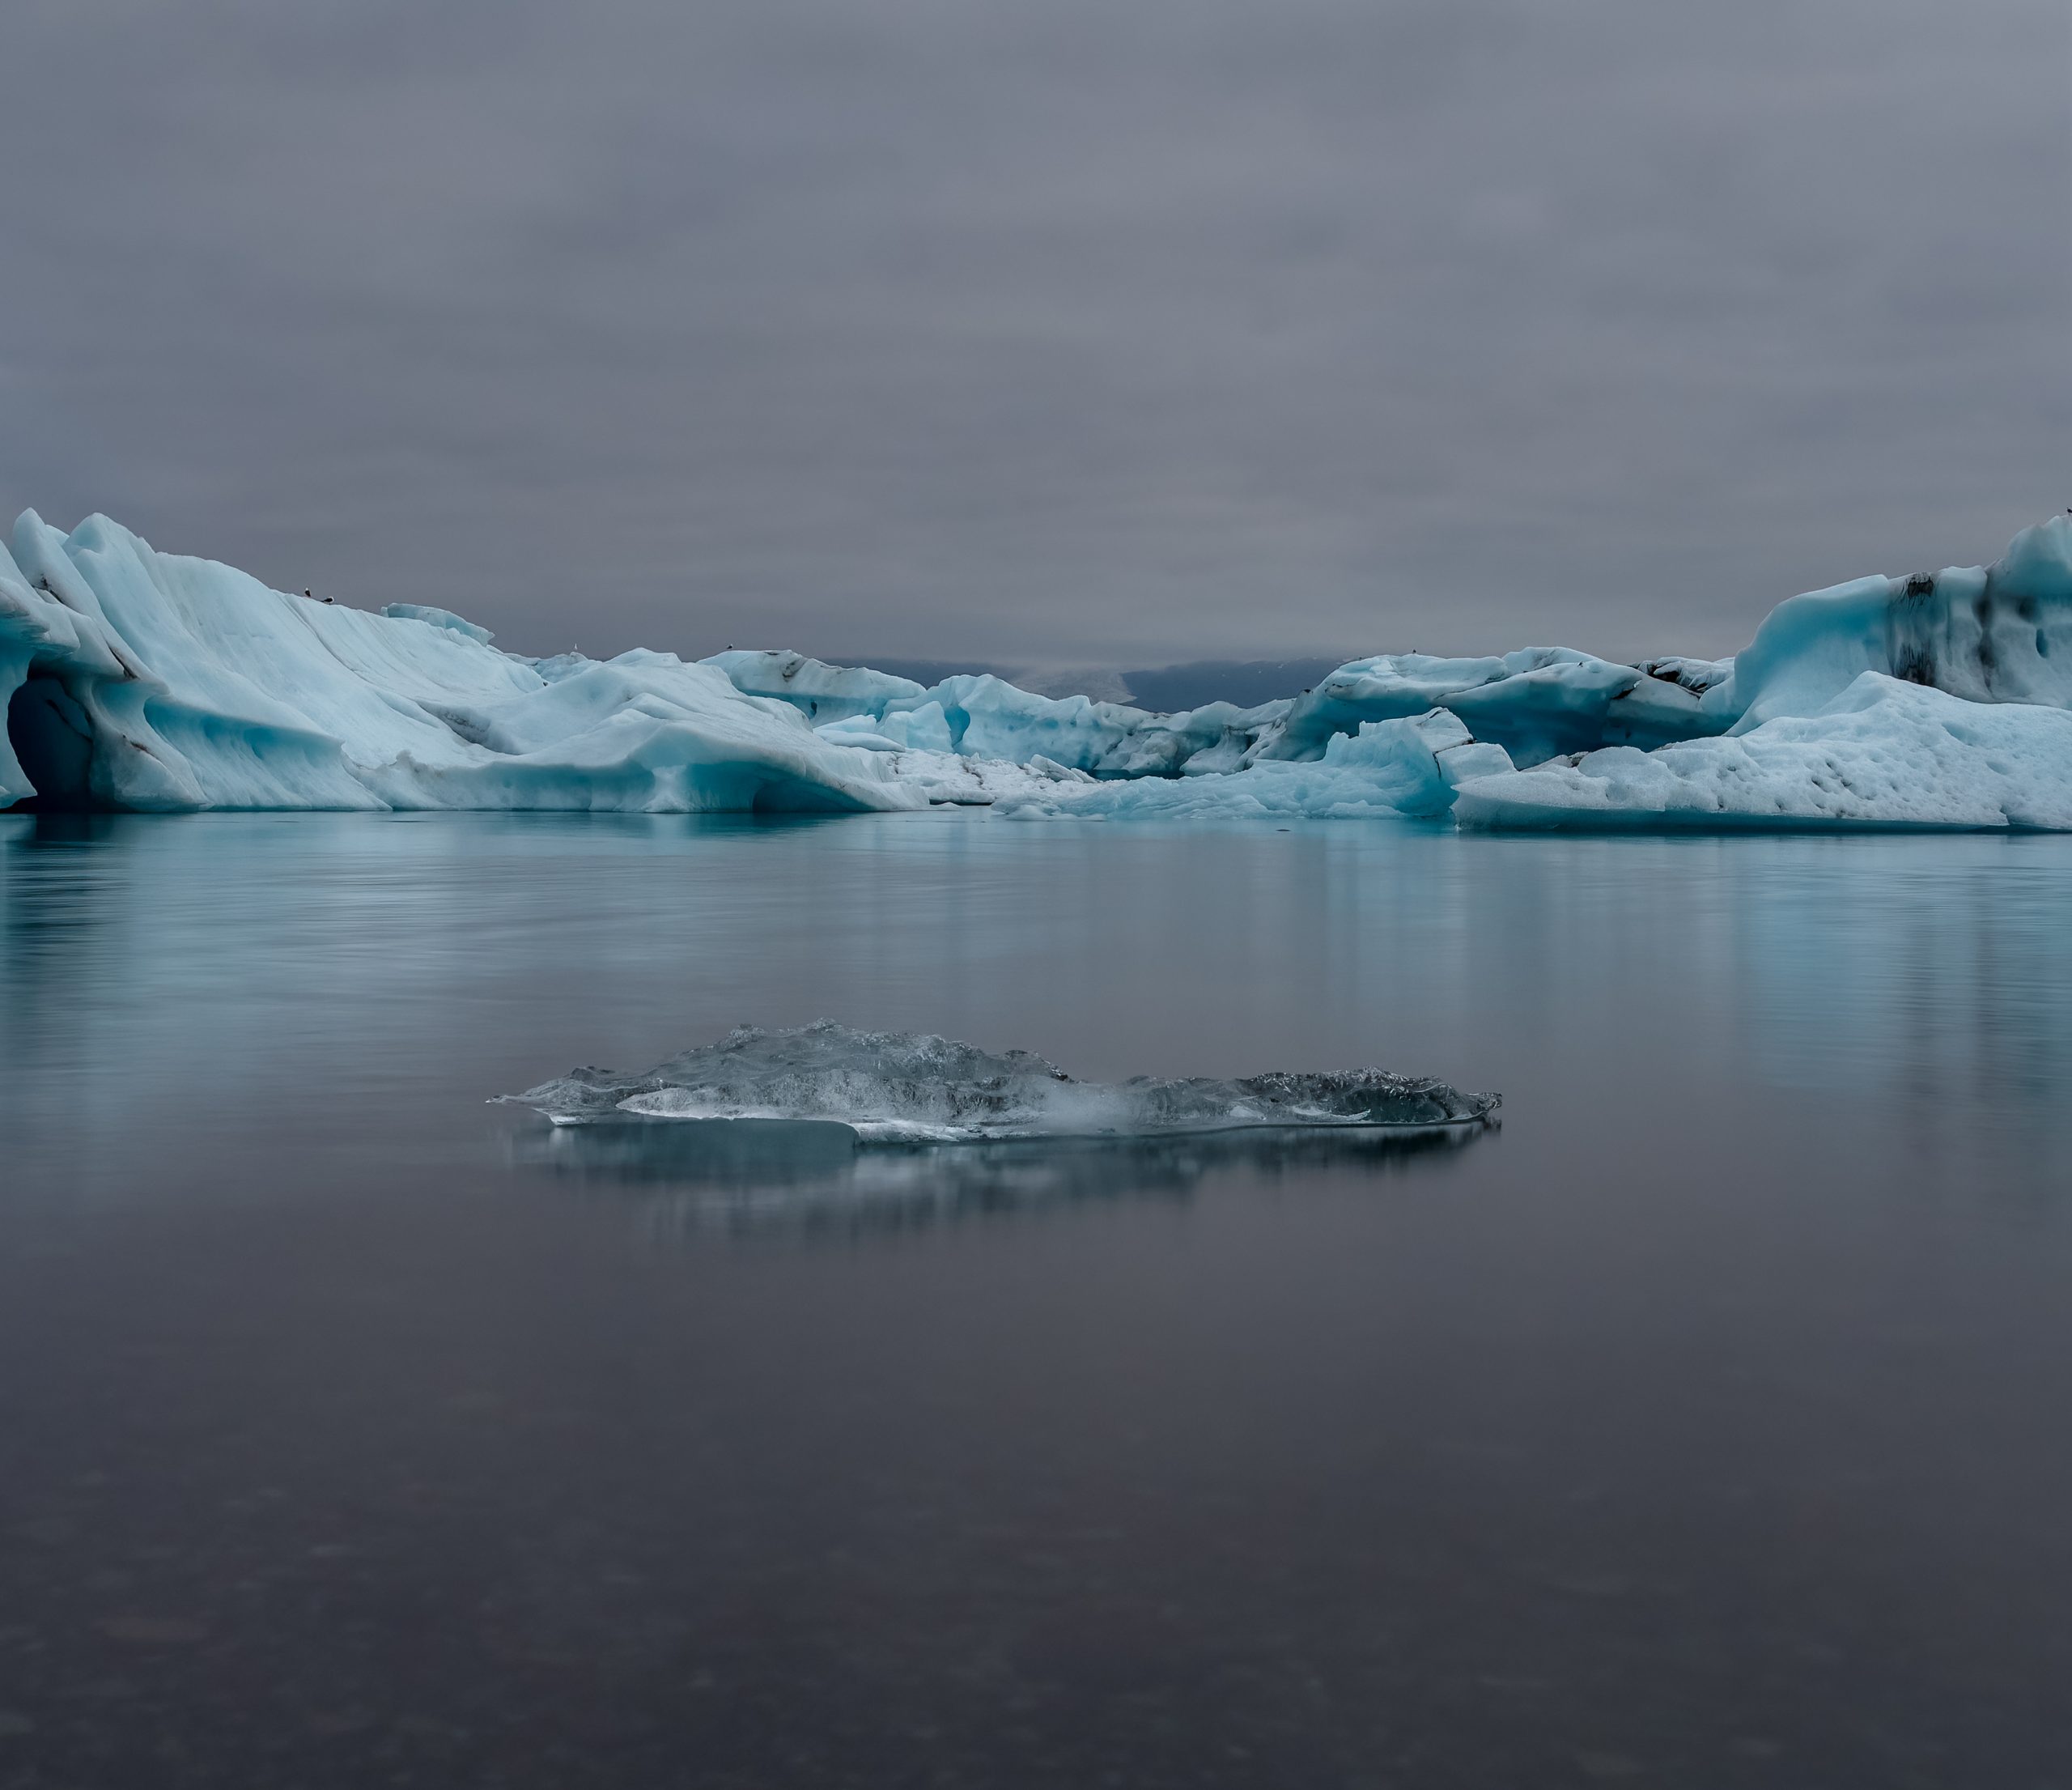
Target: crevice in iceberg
(465, 724)
(909, 1088)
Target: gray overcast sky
(1064, 331)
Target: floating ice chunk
(1404, 767)
(1534, 703)
(902, 1087)
(1884, 753)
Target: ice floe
(909, 1088)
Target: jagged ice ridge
(909, 1088)
(138, 680)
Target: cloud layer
(1057, 331)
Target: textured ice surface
(137, 679)
(1534, 703)
(903, 1087)
(438, 618)
(2001, 633)
(141, 680)
(1408, 767)
(1883, 753)
(1695, 675)
(820, 692)
(982, 718)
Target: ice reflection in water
(787, 1177)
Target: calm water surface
(1706, 1425)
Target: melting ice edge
(907, 1088)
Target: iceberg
(907, 1088)
(1535, 704)
(134, 679)
(981, 717)
(1938, 700)
(1406, 767)
(2001, 633)
(141, 680)
(1883, 753)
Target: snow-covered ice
(909, 1088)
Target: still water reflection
(1703, 1425)
(745, 1176)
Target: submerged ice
(903, 1087)
(134, 679)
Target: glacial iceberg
(908, 1088)
(141, 680)
(2001, 633)
(1883, 753)
(1404, 767)
(1935, 700)
(985, 718)
(1534, 703)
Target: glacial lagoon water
(1704, 1424)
